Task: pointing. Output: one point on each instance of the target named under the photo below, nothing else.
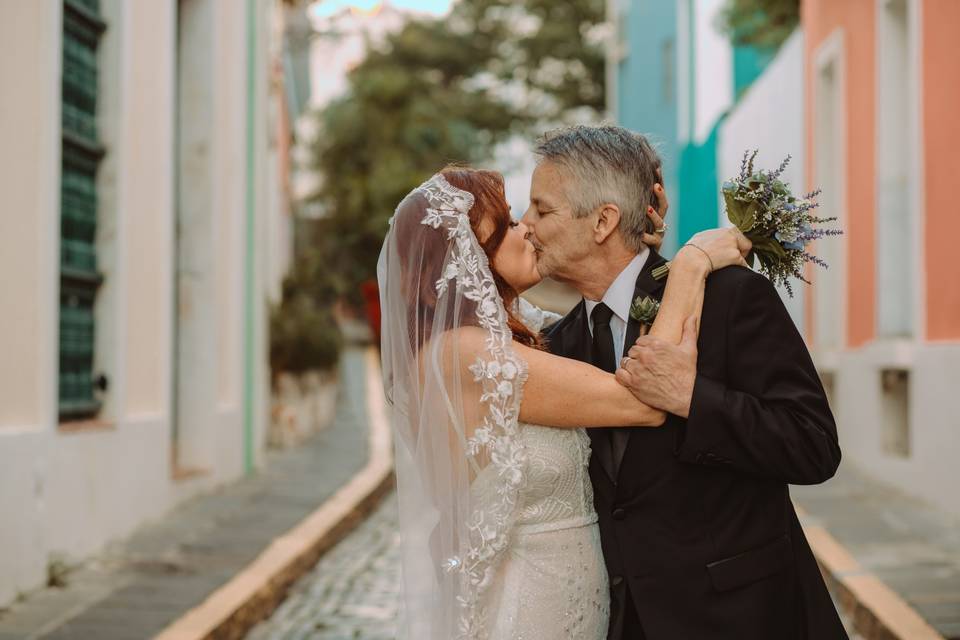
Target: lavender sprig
(778, 223)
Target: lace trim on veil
(501, 375)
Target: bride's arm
(559, 392)
(562, 392)
(566, 393)
(683, 296)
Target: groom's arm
(771, 416)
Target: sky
(324, 8)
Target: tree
(409, 111)
(764, 24)
(439, 92)
(303, 331)
(550, 49)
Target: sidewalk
(353, 592)
(892, 562)
(910, 547)
(138, 587)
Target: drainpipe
(249, 291)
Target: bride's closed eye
(514, 224)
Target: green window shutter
(82, 152)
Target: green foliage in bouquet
(778, 223)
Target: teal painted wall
(699, 186)
(748, 64)
(647, 87)
(647, 101)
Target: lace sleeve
(536, 318)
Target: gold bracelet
(709, 259)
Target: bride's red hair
(491, 214)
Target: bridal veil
(453, 381)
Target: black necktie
(604, 357)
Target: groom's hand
(661, 374)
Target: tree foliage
(410, 110)
(761, 23)
(551, 49)
(438, 92)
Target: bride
(499, 537)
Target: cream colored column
(145, 171)
(30, 215)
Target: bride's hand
(655, 240)
(716, 249)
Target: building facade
(863, 96)
(672, 75)
(144, 232)
(881, 99)
(768, 117)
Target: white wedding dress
(552, 583)
(499, 537)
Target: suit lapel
(646, 285)
(575, 343)
(599, 438)
(572, 339)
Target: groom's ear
(606, 222)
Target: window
(829, 299)
(81, 155)
(897, 214)
(895, 412)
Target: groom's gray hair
(606, 165)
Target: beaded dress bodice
(552, 583)
(558, 492)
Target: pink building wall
(940, 153)
(821, 18)
(941, 139)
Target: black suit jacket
(697, 521)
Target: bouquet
(779, 224)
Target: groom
(698, 531)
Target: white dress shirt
(619, 297)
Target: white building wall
(29, 167)
(928, 472)
(29, 223)
(713, 70)
(67, 489)
(769, 117)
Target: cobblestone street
(352, 593)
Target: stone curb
(877, 611)
(253, 594)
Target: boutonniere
(644, 310)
